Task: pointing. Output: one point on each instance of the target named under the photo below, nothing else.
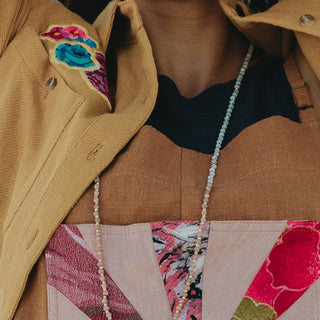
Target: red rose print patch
(292, 266)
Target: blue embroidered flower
(89, 42)
(74, 55)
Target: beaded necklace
(203, 220)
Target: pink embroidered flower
(56, 33)
(75, 32)
(71, 33)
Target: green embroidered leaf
(252, 310)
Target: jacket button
(307, 20)
(51, 84)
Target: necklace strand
(203, 220)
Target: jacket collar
(274, 30)
(277, 29)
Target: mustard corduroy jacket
(57, 132)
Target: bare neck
(193, 42)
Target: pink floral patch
(292, 266)
(75, 32)
(72, 33)
(174, 245)
(72, 270)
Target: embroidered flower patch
(71, 33)
(98, 78)
(76, 50)
(75, 55)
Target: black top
(195, 123)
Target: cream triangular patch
(131, 262)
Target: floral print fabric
(72, 270)
(292, 266)
(174, 244)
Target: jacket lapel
(88, 144)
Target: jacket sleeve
(13, 14)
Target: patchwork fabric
(72, 270)
(292, 266)
(76, 50)
(131, 262)
(147, 264)
(174, 244)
